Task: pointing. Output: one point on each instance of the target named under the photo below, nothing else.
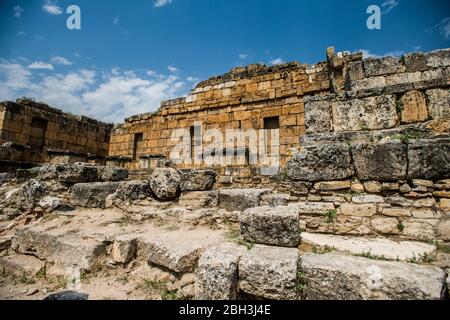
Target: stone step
(271, 225)
(379, 247)
(21, 265)
(240, 199)
(269, 272)
(334, 276)
(63, 250)
(92, 237)
(177, 250)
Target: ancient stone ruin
(359, 208)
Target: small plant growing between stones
(428, 257)
(322, 250)
(42, 273)
(369, 255)
(413, 259)
(405, 137)
(234, 235)
(330, 216)
(400, 227)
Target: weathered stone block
(359, 210)
(420, 229)
(413, 107)
(396, 212)
(438, 103)
(383, 161)
(198, 180)
(415, 62)
(217, 273)
(429, 159)
(332, 185)
(438, 58)
(319, 208)
(355, 71)
(343, 277)
(316, 163)
(269, 272)
(385, 225)
(370, 113)
(124, 249)
(92, 195)
(271, 225)
(240, 199)
(382, 66)
(318, 116)
(372, 186)
(112, 174)
(133, 190)
(165, 183)
(78, 173)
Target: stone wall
(375, 159)
(240, 99)
(34, 132)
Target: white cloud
(116, 20)
(192, 79)
(444, 27)
(40, 65)
(18, 10)
(52, 8)
(243, 56)
(172, 69)
(367, 54)
(388, 5)
(277, 61)
(108, 96)
(61, 60)
(21, 33)
(162, 3)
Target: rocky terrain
(88, 228)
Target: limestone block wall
(44, 134)
(240, 99)
(375, 159)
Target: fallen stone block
(429, 159)
(124, 248)
(321, 163)
(78, 173)
(65, 251)
(112, 174)
(165, 183)
(197, 180)
(271, 225)
(133, 190)
(438, 103)
(269, 272)
(217, 273)
(382, 161)
(92, 195)
(178, 252)
(341, 277)
(240, 199)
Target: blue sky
(130, 55)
